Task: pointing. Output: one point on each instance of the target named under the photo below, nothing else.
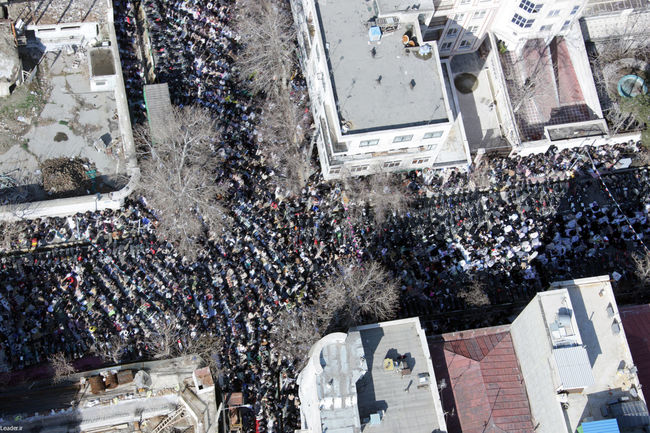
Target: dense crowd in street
(96, 281)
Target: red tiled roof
(636, 324)
(485, 389)
(568, 87)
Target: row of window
(401, 139)
(533, 8)
(475, 16)
(387, 164)
(466, 2)
(524, 23)
(464, 44)
(453, 31)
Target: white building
(376, 378)
(575, 359)
(382, 79)
(379, 96)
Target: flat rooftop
(408, 404)
(392, 88)
(57, 116)
(388, 6)
(480, 117)
(598, 319)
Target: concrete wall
(533, 349)
(541, 146)
(630, 23)
(103, 83)
(57, 36)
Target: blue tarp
(603, 426)
(374, 34)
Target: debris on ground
(68, 175)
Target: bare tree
(475, 295)
(163, 342)
(179, 178)
(266, 31)
(114, 349)
(626, 40)
(294, 332)
(383, 192)
(9, 232)
(204, 345)
(523, 83)
(283, 128)
(357, 293)
(479, 177)
(61, 366)
(641, 268)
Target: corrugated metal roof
(573, 367)
(603, 426)
(158, 104)
(630, 414)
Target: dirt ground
(20, 110)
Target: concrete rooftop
(480, 116)
(608, 360)
(608, 351)
(388, 6)
(348, 387)
(365, 100)
(58, 117)
(409, 405)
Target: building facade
(379, 96)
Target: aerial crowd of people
(103, 282)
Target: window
(472, 29)
(465, 44)
(575, 10)
(459, 17)
(566, 25)
(420, 161)
(479, 14)
(366, 143)
(434, 134)
(554, 13)
(522, 22)
(335, 170)
(452, 32)
(390, 164)
(358, 168)
(446, 46)
(546, 28)
(529, 6)
(465, 2)
(402, 138)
